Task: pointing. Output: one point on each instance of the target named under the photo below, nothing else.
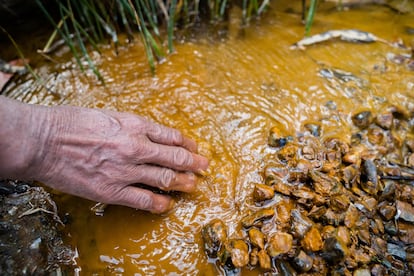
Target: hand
(101, 155)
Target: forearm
(19, 137)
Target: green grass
(83, 23)
(310, 16)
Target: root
(33, 210)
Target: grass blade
(171, 24)
(310, 17)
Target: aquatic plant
(88, 22)
(82, 22)
(310, 15)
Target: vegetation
(82, 22)
(310, 15)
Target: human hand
(100, 155)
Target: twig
(33, 210)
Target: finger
(169, 136)
(165, 179)
(144, 200)
(176, 158)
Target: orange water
(225, 93)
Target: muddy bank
(30, 232)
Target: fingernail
(161, 208)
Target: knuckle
(108, 194)
(144, 200)
(155, 129)
(182, 158)
(103, 189)
(165, 179)
(176, 137)
(168, 135)
(137, 147)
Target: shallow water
(226, 93)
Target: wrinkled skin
(97, 154)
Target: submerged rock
(214, 235)
(300, 224)
(239, 252)
(262, 192)
(312, 240)
(334, 250)
(339, 206)
(257, 238)
(276, 139)
(284, 268)
(303, 262)
(279, 243)
(362, 119)
(396, 251)
(257, 217)
(265, 262)
(405, 211)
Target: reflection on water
(226, 94)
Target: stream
(225, 91)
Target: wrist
(22, 138)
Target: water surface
(226, 93)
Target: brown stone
(279, 243)
(312, 241)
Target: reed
(310, 16)
(82, 22)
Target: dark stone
(362, 119)
(334, 250)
